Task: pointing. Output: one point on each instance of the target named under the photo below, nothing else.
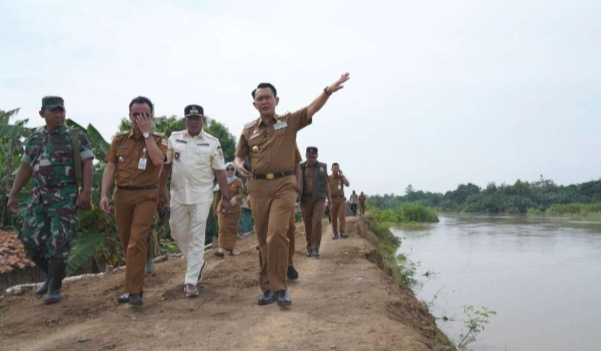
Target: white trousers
(188, 225)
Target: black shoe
(292, 274)
(316, 253)
(283, 298)
(267, 298)
(135, 299)
(335, 237)
(42, 264)
(309, 253)
(343, 235)
(123, 298)
(56, 273)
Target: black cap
(311, 149)
(50, 102)
(194, 111)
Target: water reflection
(541, 275)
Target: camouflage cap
(193, 111)
(50, 102)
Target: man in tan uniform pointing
(270, 142)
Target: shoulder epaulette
(210, 136)
(250, 124)
(283, 114)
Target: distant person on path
(131, 164)
(194, 159)
(314, 190)
(337, 182)
(362, 199)
(228, 224)
(354, 200)
(270, 141)
(50, 221)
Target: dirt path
(341, 301)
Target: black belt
(307, 195)
(270, 176)
(145, 187)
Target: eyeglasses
(229, 169)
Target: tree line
(536, 197)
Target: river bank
(342, 301)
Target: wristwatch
(326, 91)
(226, 197)
(146, 135)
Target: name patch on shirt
(280, 125)
(203, 144)
(181, 141)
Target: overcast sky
(441, 92)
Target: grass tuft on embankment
(399, 267)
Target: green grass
(408, 213)
(573, 210)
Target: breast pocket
(123, 157)
(179, 150)
(202, 155)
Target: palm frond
(84, 248)
(9, 131)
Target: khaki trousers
(338, 214)
(134, 212)
(291, 237)
(272, 201)
(312, 213)
(188, 225)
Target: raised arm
(321, 100)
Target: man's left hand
(83, 201)
(337, 85)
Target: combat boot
(42, 264)
(56, 273)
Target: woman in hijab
(228, 225)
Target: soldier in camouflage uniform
(50, 221)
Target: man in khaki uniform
(131, 163)
(194, 159)
(338, 210)
(270, 141)
(292, 273)
(362, 199)
(313, 194)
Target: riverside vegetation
(541, 197)
(413, 215)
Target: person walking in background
(337, 182)
(314, 190)
(50, 221)
(354, 200)
(194, 159)
(131, 164)
(270, 141)
(228, 224)
(362, 199)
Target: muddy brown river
(541, 275)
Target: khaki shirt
(126, 151)
(194, 158)
(308, 181)
(271, 145)
(336, 186)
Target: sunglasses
(229, 169)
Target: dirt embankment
(342, 301)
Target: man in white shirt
(194, 159)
